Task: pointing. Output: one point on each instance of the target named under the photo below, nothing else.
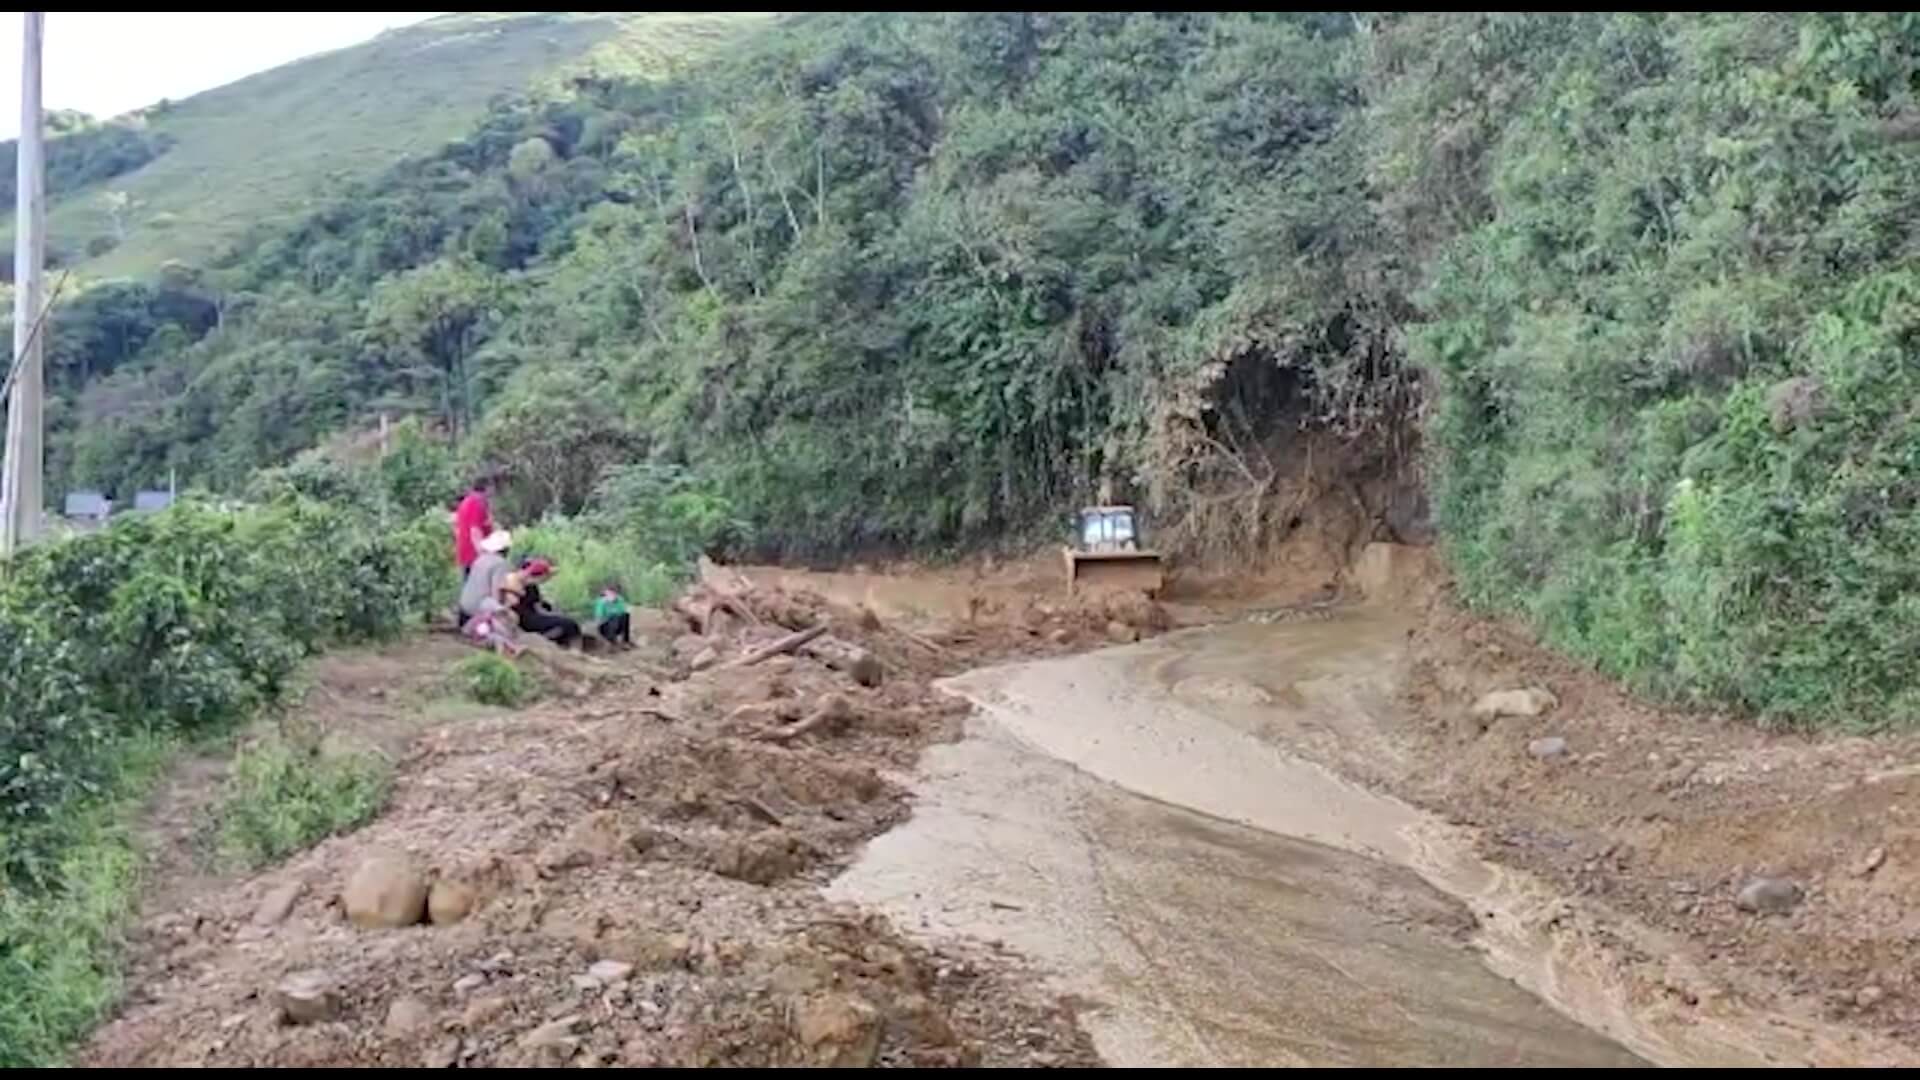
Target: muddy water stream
(1136, 821)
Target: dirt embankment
(1714, 870)
(1782, 866)
(626, 874)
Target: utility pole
(21, 502)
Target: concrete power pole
(22, 503)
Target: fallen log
(784, 645)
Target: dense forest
(1637, 288)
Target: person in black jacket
(536, 615)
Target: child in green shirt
(610, 611)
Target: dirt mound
(1782, 862)
(626, 877)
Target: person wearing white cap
(481, 591)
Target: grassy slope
(264, 149)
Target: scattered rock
(1530, 701)
(443, 1054)
(1553, 746)
(705, 658)
(386, 890)
(1769, 896)
(587, 984)
(838, 1031)
(407, 1016)
(278, 904)
(554, 1033)
(610, 971)
(1121, 634)
(482, 1010)
(1060, 636)
(306, 997)
(650, 951)
(867, 670)
(467, 984)
(594, 838)
(1868, 996)
(1870, 862)
(450, 900)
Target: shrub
(494, 680)
(282, 798)
(585, 559)
(179, 623)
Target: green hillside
(262, 152)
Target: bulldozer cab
(1108, 528)
(1108, 553)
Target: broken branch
(784, 645)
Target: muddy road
(1248, 842)
(1143, 822)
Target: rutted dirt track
(1255, 843)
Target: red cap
(539, 567)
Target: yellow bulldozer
(1107, 554)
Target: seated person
(610, 612)
(522, 590)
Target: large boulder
(386, 890)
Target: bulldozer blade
(1141, 572)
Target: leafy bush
(586, 558)
(282, 798)
(494, 680)
(181, 622)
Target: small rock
(450, 901)
(306, 997)
(1769, 896)
(482, 1010)
(406, 1016)
(610, 971)
(1553, 746)
(587, 984)
(867, 670)
(1121, 634)
(1868, 996)
(1870, 862)
(557, 1033)
(1060, 635)
(443, 1054)
(498, 963)
(386, 890)
(234, 1021)
(467, 984)
(278, 904)
(705, 659)
(1528, 702)
(838, 1031)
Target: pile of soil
(626, 874)
(1781, 864)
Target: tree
(438, 313)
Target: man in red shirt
(472, 521)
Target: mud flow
(1134, 818)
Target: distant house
(88, 507)
(149, 501)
